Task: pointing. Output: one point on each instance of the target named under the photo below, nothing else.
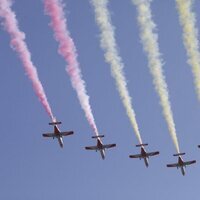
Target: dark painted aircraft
(57, 133)
(143, 154)
(181, 164)
(100, 146)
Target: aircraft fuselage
(101, 148)
(181, 165)
(144, 156)
(58, 136)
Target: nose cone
(61, 142)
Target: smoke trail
(150, 42)
(18, 44)
(190, 37)
(67, 49)
(108, 44)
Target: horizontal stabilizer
(97, 136)
(55, 123)
(179, 154)
(141, 145)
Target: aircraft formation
(67, 49)
(100, 147)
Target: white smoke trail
(150, 43)
(187, 20)
(112, 57)
(67, 48)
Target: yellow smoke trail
(108, 44)
(190, 37)
(150, 43)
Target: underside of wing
(173, 165)
(135, 156)
(66, 133)
(48, 135)
(190, 162)
(91, 148)
(107, 146)
(153, 153)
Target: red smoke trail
(19, 45)
(67, 49)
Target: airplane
(144, 155)
(100, 146)
(181, 164)
(57, 133)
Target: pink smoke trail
(54, 8)
(19, 45)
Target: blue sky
(35, 168)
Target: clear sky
(36, 168)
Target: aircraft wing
(91, 148)
(153, 153)
(66, 133)
(135, 156)
(48, 135)
(173, 165)
(190, 162)
(107, 146)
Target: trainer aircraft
(181, 164)
(143, 154)
(100, 146)
(57, 133)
